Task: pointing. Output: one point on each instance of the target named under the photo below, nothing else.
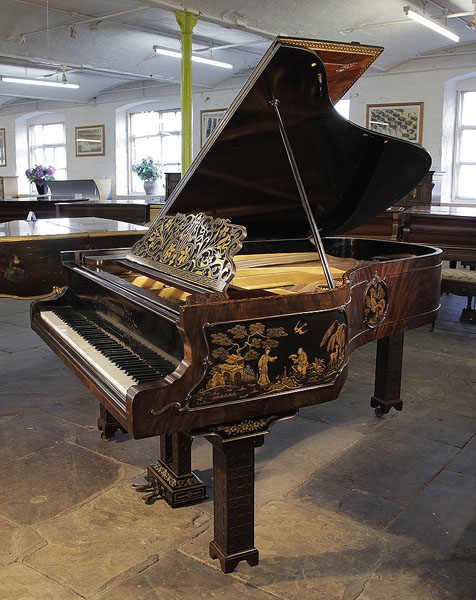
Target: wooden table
(30, 261)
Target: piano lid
(350, 174)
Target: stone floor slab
(53, 380)
(25, 366)
(352, 408)
(303, 554)
(291, 453)
(441, 513)
(452, 395)
(425, 365)
(465, 461)
(394, 465)
(16, 542)
(20, 318)
(29, 430)
(19, 582)
(79, 407)
(360, 507)
(15, 338)
(109, 535)
(414, 573)
(122, 447)
(177, 577)
(465, 547)
(434, 423)
(52, 481)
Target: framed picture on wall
(90, 140)
(403, 121)
(209, 119)
(3, 149)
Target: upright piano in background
(230, 315)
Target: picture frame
(401, 120)
(209, 119)
(89, 140)
(3, 148)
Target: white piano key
(120, 380)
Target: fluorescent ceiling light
(40, 82)
(441, 29)
(198, 59)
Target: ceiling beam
(84, 67)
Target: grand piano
(237, 308)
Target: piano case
(236, 308)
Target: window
(48, 147)
(465, 163)
(157, 135)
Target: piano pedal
(143, 487)
(152, 497)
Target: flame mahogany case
(228, 290)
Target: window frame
(32, 148)
(131, 138)
(457, 163)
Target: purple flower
(28, 172)
(50, 170)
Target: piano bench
(460, 282)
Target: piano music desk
(30, 263)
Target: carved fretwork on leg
(233, 474)
(107, 424)
(171, 477)
(388, 374)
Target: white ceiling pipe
(81, 22)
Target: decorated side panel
(269, 356)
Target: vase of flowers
(39, 175)
(149, 172)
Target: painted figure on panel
(301, 362)
(252, 358)
(263, 379)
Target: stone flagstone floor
(348, 506)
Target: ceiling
(108, 43)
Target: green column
(187, 22)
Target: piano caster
(382, 408)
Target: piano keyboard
(121, 364)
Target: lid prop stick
(302, 193)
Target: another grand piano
(235, 310)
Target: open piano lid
(350, 174)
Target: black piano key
(136, 360)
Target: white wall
(109, 110)
(433, 81)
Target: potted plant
(39, 175)
(149, 172)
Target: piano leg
(388, 375)
(233, 482)
(172, 476)
(107, 424)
